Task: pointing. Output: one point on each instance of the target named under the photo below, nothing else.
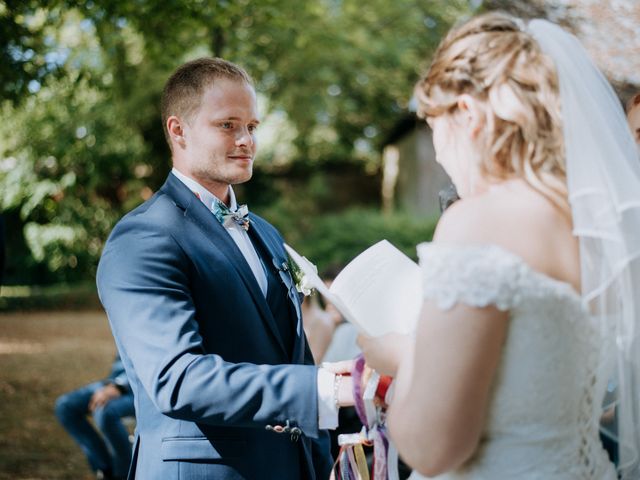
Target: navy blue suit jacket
(207, 363)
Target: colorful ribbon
(370, 390)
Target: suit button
(275, 428)
(295, 434)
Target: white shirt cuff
(327, 408)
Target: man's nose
(244, 138)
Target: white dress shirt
(238, 234)
(327, 409)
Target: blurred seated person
(633, 117)
(330, 337)
(609, 420)
(106, 445)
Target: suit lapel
(197, 212)
(279, 261)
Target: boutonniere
(303, 285)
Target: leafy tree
(340, 71)
(24, 46)
(66, 163)
(81, 140)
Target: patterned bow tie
(223, 214)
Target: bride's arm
(442, 389)
(443, 385)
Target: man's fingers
(344, 366)
(97, 400)
(345, 393)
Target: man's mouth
(242, 157)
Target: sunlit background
(342, 160)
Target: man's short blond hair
(183, 91)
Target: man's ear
(176, 130)
(471, 113)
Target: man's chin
(243, 177)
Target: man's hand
(103, 396)
(344, 393)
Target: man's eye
(252, 128)
(227, 125)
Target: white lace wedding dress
(545, 406)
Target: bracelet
(337, 379)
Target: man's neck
(206, 194)
(219, 190)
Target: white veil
(603, 177)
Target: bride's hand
(384, 353)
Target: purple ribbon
(376, 434)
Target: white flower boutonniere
(302, 281)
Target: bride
(531, 283)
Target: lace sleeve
(475, 275)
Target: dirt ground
(43, 355)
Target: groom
(204, 310)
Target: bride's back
(510, 249)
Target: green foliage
(340, 72)
(23, 45)
(66, 169)
(334, 240)
(81, 141)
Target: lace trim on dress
(482, 275)
(542, 311)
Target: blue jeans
(109, 450)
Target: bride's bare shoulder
(512, 215)
(463, 221)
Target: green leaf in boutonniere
(299, 277)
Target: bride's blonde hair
(492, 59)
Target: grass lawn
(42, 355)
